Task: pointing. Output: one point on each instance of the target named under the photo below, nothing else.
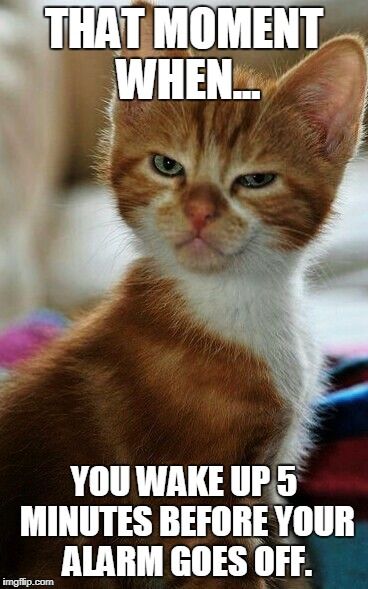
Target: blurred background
(61, 244)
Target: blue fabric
(47, 316)
(341, 563)
(347, 365)
(345, 411)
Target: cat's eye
(167, 166)
(255, 180)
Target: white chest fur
(267, 314)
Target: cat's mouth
(198, 246)
(201, 254)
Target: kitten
(202, 355)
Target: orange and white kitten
(203, 354)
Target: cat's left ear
(329, 88)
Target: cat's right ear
(131, 111)
(146, 48)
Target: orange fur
(137, 383)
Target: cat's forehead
(203, 135)
(208, 131)
(227, 120)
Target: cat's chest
(267, 322)
(208, 407)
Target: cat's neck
(244, 308)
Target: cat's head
(208, 184)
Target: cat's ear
(329, 88)
(146, 48)
(130, 111)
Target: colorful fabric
(338, 472)
(25, 338)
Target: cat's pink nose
(200, 211)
